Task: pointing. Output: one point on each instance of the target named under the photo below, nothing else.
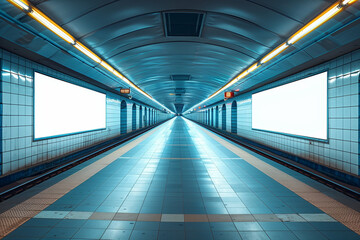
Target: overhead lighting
(315, 23)
(240, 76)
(52, 26)
(142, 92)
(274, 53)
(252, 68)
(107, 66)
(87, 52)
(116, 73)
(229, 84)
(346, 2)
(119, 75)
(22, 4)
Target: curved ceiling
(131, 36)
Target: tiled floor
(177, 183)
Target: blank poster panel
(298, 108)
(62, 108)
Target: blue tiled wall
(342, 150)
(18, 150)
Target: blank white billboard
(298, 108)
(62, 108)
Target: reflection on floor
(176, 182)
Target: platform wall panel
(18, 150)
(341, 151)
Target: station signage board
(125, 90)
(229, 94)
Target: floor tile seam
(131, 169)
(146, 191)
(285, 179)
(166, 182)
(315, 200)
(118, 216)
(192, 163)
(156, 168)
(306, 195)
(197, 181)
(222, 199)
(215, 162)
(236, 174)
(219, 193)
(158, 231)
(260, 157)
(266, 163)
(210, 175)
(259, 183)
(114, 155)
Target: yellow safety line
(19, 214)
(342, 213)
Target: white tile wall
(342, 150)
(18, 149)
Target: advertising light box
(62, 108)
(298, 108)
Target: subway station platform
(180, 181)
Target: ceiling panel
(130, 35)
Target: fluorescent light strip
(274, 53)
(252, 68)
(87, 52)
(345, 2)
(119, 75)
(52, 26)
(49, 24)
(107, 66)
(22, 4)
(240, 76)
(322, 18)
(315, 23)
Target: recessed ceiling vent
(183, 24)
(180, 90)
(178, 99)
(179, 107)
(180, 77)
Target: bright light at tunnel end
(59, 31)
(302, 32)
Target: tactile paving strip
(8, 224)
(16, 216)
